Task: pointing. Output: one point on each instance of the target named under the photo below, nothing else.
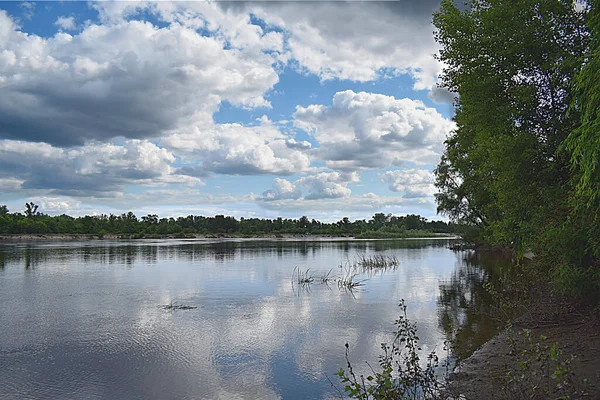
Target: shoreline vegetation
(34, 225)
(32, 237)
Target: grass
(326, 278)
(348, 281)
(378, 261)
(302, 277)
(349, 277)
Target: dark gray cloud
(354, 40)
(95, 170)
(127, 80)
(442, 96)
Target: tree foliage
(526, 73)
(584, 142)
(380, 225)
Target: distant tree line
(31, 221)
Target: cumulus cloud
(234, 28)
(128, 79)
(302, 145)
(413, 182)
(236, 149)
(324, 185)
(66, 23)
(124, 102)
(442, 96)
(96, 169)
(360, 41)
(282, 189)
(367, 130)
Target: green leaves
(584, 142)
(400, 374)
(518, 67)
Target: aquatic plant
(326, 278)
(174, 306)
(377, 261)
(348, 281)
(302, 277)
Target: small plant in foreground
(539, 370)
(400, 375)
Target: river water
(83, 320)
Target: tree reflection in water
(468, 312)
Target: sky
(323, 109)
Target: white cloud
(359, 41)
(354, 207)
(334, 40)
(74, 93)
(66, 23)
(324, 185)
(282, 189)
(28, 8)
(234, 27)
(367, 130)
(128, 79)
(97, 169)
(293, 144)
(239, 150)
(413, 182)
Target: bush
(401, 374)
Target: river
(85, 319)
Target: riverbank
(510, 365)
(81, 237)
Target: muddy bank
(576, 330)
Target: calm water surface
(82, 320)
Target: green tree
(512, 64)
(584, 142)
(31, 209)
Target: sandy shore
(483, 374)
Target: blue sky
(248, 109)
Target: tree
(584, 142)
(512, 63)
(31, 209)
